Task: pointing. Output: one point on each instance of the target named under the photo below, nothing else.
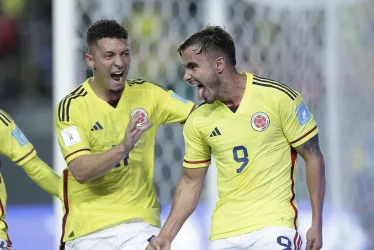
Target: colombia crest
(143, 116)
(260, 121)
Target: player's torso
(248, 145)
(253, 161)
(105, 126)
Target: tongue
(200, 92)
(116, 78)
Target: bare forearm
(186, 198)
(315, 177)
(89, 167)
(43, 175)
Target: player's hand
(314, 238)
(133, 132)
(159, 243)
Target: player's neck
(233, 87)
(103, 93)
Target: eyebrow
(190, 65)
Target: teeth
(118, 73)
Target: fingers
(155, 244)
(133, 121)
(309, 245)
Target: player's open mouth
(117, 76)
(200, 90)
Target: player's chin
(209, 100)
(116, 89)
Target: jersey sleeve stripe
(7, 118)
(63, 108)
(293, 160)
(5, 123)
(6, 225)
(84, 149)
(275, 87)
(264, 80)
(193, 108)
(62, 103)
(196, 162)
(66, 206)
(68, 105)
(25, 156)
(4, 119)
(302, 137)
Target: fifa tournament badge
(260, 121)
(143, 116)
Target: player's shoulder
(71, 102)
(274, 88)
(5, 119)
(201, 111)
(141, 84)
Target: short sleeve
(298, 123)
(13, 143)
(72, 138)
(198, 153)
(171, 107)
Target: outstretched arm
(186, 198)
(43, 175)
(315, 177)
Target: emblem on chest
(260, 121)
(143, 116)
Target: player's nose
(119, 62)
(186, 76)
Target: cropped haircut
(105, 29)
(210, 40)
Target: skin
(216, 79)
(105, 57)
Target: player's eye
(108, 56)
(126, 53)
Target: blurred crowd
(25, 49)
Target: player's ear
(220, 64)
(89, 60)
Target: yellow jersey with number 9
(255, 159)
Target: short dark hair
(210, 40)
(105, 29)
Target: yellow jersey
(255, 159)
(15, 146)
(86, 124)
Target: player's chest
(106, 128)
(253, 129)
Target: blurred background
(323, 49)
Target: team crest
(260, 121)
(143, 116)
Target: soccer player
(254, 128)
(14, 145)
(108, 194)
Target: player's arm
(43, 175)
(315, 176)
(14, 144)
(171, 108)
(301, 131)
(187, 193)
(186, 198)
(75, 147)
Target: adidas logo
(96, 126)
(71, 234)
(215, 132)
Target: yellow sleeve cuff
(196, 164)
(305, 137)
